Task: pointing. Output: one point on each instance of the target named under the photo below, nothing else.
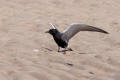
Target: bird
(62, 38)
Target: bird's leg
(64, 51)
(58, 49)
(70, 49)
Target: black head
(52, 31)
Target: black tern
(62, 38)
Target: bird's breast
(60, 42)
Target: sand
(27, 53)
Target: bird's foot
(69, 49)
(64, 51)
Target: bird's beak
(46, 31)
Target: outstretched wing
(75, 28)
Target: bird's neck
(57, 33)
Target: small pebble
(91, 72)
(36, 50)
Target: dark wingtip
(97, 30)
(105, 32)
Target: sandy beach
(28, 53)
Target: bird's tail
(95, 29)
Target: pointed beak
(46, 31)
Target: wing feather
(76, 27)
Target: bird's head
(52, 31)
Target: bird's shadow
(83, 53)
(62, 51)
(65, 51)
(47, 49)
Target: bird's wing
(76, 27)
